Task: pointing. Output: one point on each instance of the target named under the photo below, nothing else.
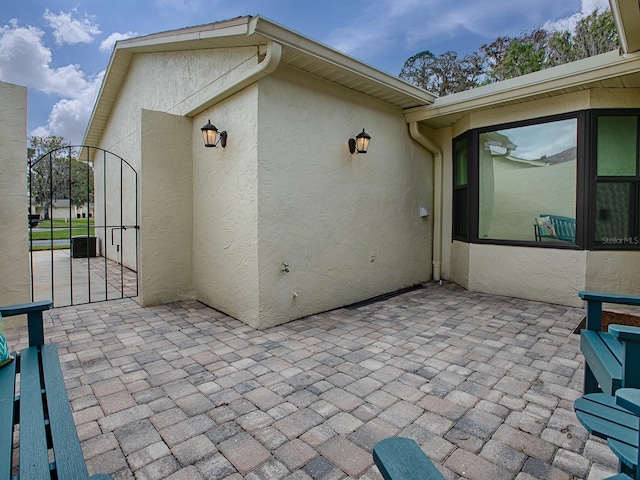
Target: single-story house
(284, 221)
(62, 209)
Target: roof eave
(551, 81)
(124, 50)
(261, 30)
(627, 18)
(296, 41)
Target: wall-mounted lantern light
(359, 144)
(210, 135)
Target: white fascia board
(626, 14)
(296, 41)
(184, 35)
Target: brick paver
(484, 384)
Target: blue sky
(59, 49)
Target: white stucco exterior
(284, 222)
(287, 190)
(348, 226)
(218, 224)
(14, 277)
(225, 192)
(547, 274)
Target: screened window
(617, 181)
(461, 188)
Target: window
(460, 188)
(616, 186)
(565, 181)
(526, 179)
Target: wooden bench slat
(625, 452)
(600, 426)
(68, 453)
(401, 458)
(600, 415)
(34, 460)
(602, 352)
(7, 397)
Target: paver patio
(485, 384)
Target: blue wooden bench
(614, 418)
(556, 227)
(609, 356)
(35, 410)
(402, 459)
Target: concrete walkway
(68, 281)
(485, 384)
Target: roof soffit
(299, 52)
(609, 70)
(627, 17)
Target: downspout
(437, 196)
(265, 67)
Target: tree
(595, 34)
(56, 173)
(509, 57)
(443, 74)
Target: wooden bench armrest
(40, 306)
(629, 398)
(609, 298)
(402, 459)
(594, 305)
(33, 310)
(625, 333)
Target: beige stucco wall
(457, 263)
(614, 272)
(348, 226)
(546, 274)
(14, 274)
(166, 234)
(159, 82)
(225, 209)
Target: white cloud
(569, 23)
(70, 116)
(67, 29)
(25, 60)
(23, 57)
(108, 43)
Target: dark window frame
(473, 181)
(457, 189)
(593, 179)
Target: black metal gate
(83, 226)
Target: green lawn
(60, 233)
(59, 223)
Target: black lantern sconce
(359, 144)
(212, 137)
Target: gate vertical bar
(53, 297)
(121, 229)
(88, 230)
(31, 228)
(137, 227)
(104, 233)
(70, 231)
